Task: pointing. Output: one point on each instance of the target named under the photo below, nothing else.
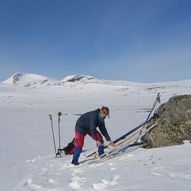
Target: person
(87, 124)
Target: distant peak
(77, 78)
(25, 79)
(16, 77)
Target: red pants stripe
(80, 138)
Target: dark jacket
(88, 122)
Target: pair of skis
(127, 143)
(122, 147)
(139, 127)
(56, 150)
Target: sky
(134, 40)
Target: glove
(111, 144)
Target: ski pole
(53, 137)
(59, 114)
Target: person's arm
(106, 135)
(104, 132)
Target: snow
(27, 159)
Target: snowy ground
(26, 152)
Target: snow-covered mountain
(78, 78)
(24, 79)
(28, 80)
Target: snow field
(27, 159)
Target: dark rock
(173, 123)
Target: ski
(121, 138)
(123, 147)
(119, 152)
(128, 142)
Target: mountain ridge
(29, 79)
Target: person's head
(104, 112)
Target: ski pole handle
(59, 113)
(50, 117)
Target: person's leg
(101, 147)
(100, 139)
(78, 148)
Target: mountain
(78, 78)
(24, 79)
(27, 80)
(35, 80)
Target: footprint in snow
(76, 180)
(51, 181)
(112, 165)
(43, 170)
(105, 183)
(28, 184)
(34, 159)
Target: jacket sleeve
(104, 132)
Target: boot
(100, 150)
(76, 155)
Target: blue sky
(135, 40)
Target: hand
(99, 143)
(112, 144)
